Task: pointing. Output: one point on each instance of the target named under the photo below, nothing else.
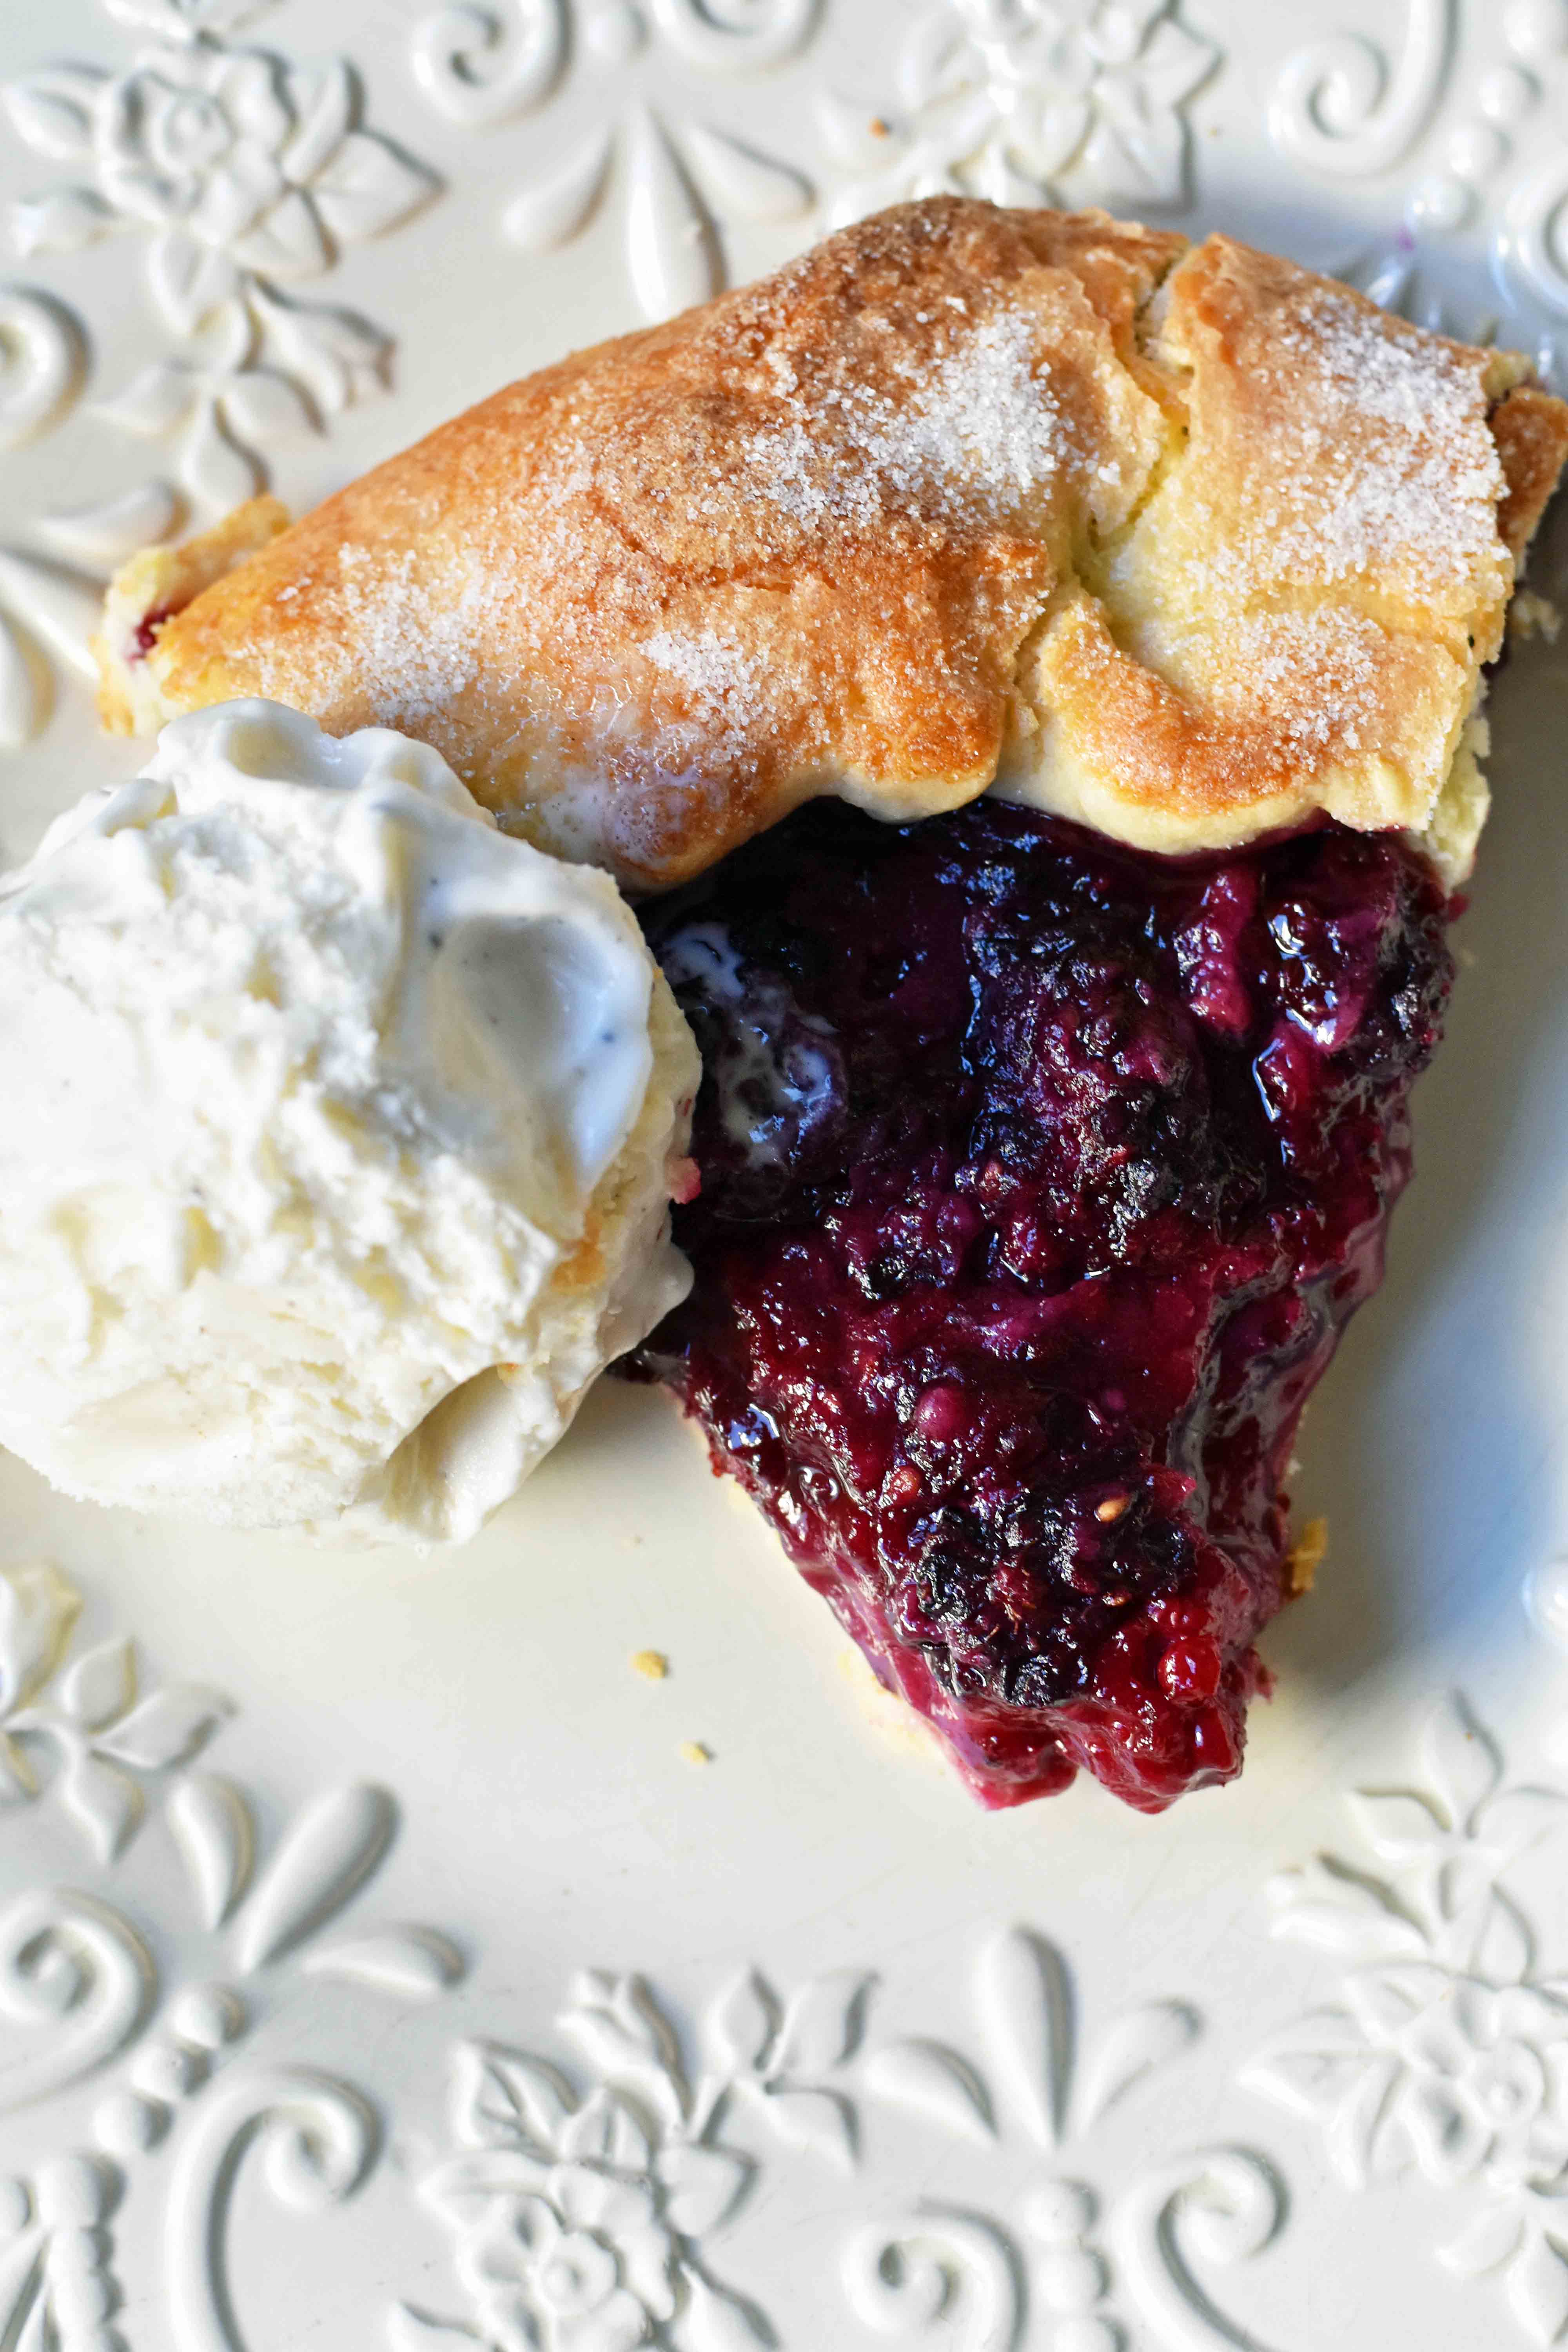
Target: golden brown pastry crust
(159, 581)
(1531, 429)
(1298, 618)
(1184, 547)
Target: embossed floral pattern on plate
(1449, 2050)
(83, 1995)
(584, 2200)
(244, 172)
(241, 173)
(1029, 102)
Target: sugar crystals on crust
(1186, 542)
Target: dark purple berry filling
(146, 635)
(1039, 1178)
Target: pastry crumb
(692, 1751)
(1530, 615)
(652, 1665)
(1305, 1558)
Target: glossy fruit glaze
(1039, 1178)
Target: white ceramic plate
(374, 1968)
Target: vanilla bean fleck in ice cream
(339, 1138)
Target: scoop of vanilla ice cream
(338, 1136)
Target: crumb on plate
(1305, 1557)
(1530, 615)
(652, 1665)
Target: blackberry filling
(1039, 1178)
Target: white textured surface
(313, 2052)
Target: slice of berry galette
(1041, 1172)
(1047, 1139)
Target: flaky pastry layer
(1185, 543)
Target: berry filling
(1038, 1179)
(146, 633)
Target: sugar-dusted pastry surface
(1038, 1179)
(1186, 543)
(1298, 617)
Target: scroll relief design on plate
(240, 173)
(1445, 2051)
(584, 2212)
(583, 2200)
(1345, 109)
(642, 131)
(43, 363)
(84, 2000)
